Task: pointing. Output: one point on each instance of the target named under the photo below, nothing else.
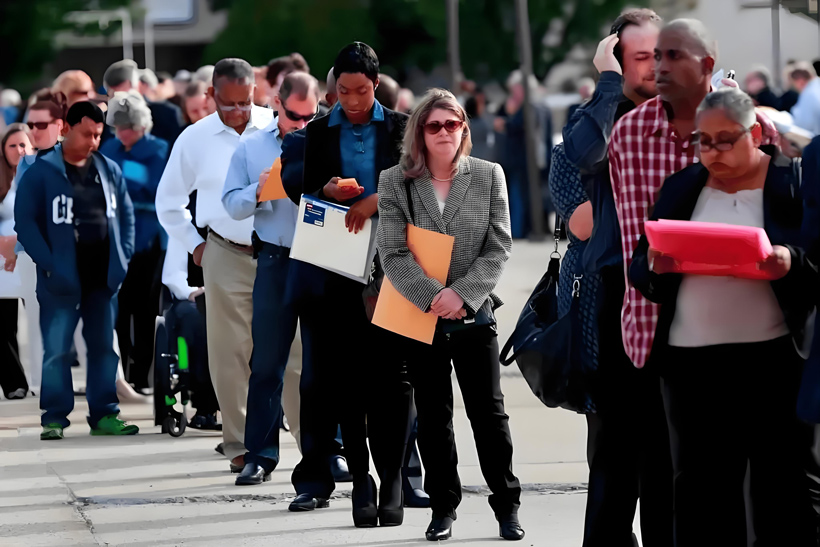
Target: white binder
(322, 239)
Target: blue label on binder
(314, 214)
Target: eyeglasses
(294, 117)
(42, 126)
(433, 128)
(225, 108)
(720, 146)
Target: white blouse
(726, 310)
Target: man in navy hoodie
(76, 221)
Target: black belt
(247, 249)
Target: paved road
(156, 490)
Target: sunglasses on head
(450, 125)
(42, 126)
(294, 117)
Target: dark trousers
(138, 303)
(351, 376)
(628, 440)
(12, 377)
(729, 406)
(185, 320)
(474, 355)
(274, 326)
(58, 323)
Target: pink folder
(710, 248)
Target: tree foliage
(408, 33)
(29, 27)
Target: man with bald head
(650, 143)
(76, 85)
(199, 162)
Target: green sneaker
(112, 425)
(52, 432)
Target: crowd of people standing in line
(686, 394)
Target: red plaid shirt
(645, 149)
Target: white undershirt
(726, 310)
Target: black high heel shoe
(391, 503)
(364, 503)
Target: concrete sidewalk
(153, 489)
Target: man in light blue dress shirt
(274, 319)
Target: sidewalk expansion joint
(77, 504)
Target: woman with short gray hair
(142, 157)
(439, 187)
(727, 345)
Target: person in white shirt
(199, 162)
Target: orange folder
(273, 188)
(394, 312)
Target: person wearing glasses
(199, 162)
(347, 354)
(455, 194)
(732, 347)
(274, 321)
(141, 157)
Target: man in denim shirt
(274, 321)
(628, 443)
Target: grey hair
(736, 104)
(121, 71)
(149, 78)
(129, 108)
(234, 70)
(699, 34)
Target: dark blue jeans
(58, 323)
(274, 326)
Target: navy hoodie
(43, 214)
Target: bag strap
(407, 183)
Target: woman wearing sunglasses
(453, 193)
(730, 346)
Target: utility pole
(776, 62)
(533, 178)
(453, 55)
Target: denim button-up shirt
(357, 143)
(274, 221)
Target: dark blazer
(310, 158)
(317, 148)
(783, 214)
(168, 121)
(476, 214)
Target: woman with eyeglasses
(14, 146)
(731, 347)
(455, 194)
(142, 157)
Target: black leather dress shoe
(414, 497)
(509, 528)
(338, 466)
(439, 529)
(252, 474)
(306, 502)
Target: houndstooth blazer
(476, 213)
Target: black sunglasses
(42, 126)
(294, 117)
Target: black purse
(549, 349)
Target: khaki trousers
(229, 276)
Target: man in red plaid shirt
(650, 143)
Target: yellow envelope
(394, 312)
(273, 188)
